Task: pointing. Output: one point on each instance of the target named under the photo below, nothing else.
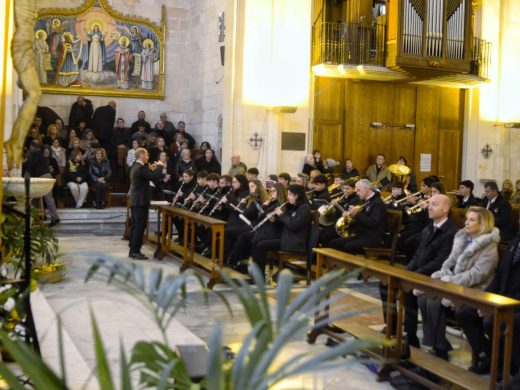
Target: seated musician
(471, 263)
(434, 247)
(302, 179)
(479, 330)
(321, 194)
(184, 188)
(329, 233)
(269, 228)
(396, 195)
(501, 210)
(296, 221)
(284, 178)
(209, 199)
(438, 188)
(367, 221)
(465, 196)
(413, 226)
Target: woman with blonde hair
(471, 263)
(52, 133)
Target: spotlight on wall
(377, 124)
(409, 126)
(284, 109)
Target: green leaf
(126, 382)
(103, 369)
(214, 376)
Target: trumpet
(266, 218)
(311, 192)
(417, 208)
(333, 187)
(388, 199)
(397, 202)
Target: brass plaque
(293, 141)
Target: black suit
(140, 197)
(103, 124)
(81, 113)
(472, 201)
(503, 214)
(433, 249)
(367, 228)
(507, 283)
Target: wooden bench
(186, 253)
(397, 279)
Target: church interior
(369, 147)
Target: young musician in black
(465, 197)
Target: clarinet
(195, 201)
(185, 203)
(210, 197)
(177, 194)
(266, 218)
(219, 202)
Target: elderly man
(237, 167)
(368, 221)
(434, 247)
(141, 115)
(379, 172)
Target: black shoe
(482, 366)
(54, 221)
(413, 341)
(137, 256)
(441, 353)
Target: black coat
(137, 123)
(347, 175)
(140, 193)
(103, 122)
(213, 166)
(81, 113)
(503, 213)
(472, 201)
(507, 277)
(296, 226)
(433, 249)
(36, 164)
(99, 169)
(81, 171)
(121, 137)
(370, 221)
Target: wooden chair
(301, 261)
(393, 224)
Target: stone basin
(15, 186)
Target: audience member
(38, 125)
(209, 162)
(141, 135)
(379, 172)
(302, 179)
(103, 123)
(33, 135)
(515, 197)
(349, 170)
(70, 139)
(81, 111)
(237, 167)
(166, 182)
(321, 165)
(52, 133)
(141, 115)
(185, 162)
(169, 127)
(501, 210)
(160, 130)
(181, 128)
(89, 143)
(130, 155)
(62, 130)
(507, 190)
(59, 154)
(76, 177)
(100, 174)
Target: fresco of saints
(41, 49)
(96, 49)
(123, 60)
(148, 57)
(67, 70)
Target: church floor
(121, 317)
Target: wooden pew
(186, 253)
(502, 308)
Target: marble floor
(122, 319)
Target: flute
(266, 218)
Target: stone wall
(192, 66)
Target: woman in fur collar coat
(472, 263)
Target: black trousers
(327, 234)
(410, 312)
(138, 225)
(101, 191)
(231, 234)
(241, 248)
(434, 316)
(261, 249)
(479, 332)
(353, 244)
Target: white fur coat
(472, 265)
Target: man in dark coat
(140, 196)
(501, 210)
(141, 122)
(368, 221)
(103, 123)
(81, 110)
(506, 283)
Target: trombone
(397, 202)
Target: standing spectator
(81, 111)
(82, 126)
(76, 177)
(181, 128)
(237, 167)
(141, 115)
(103, 123)
(100, 174)
(209, 162)
(169, 127)
(38, 164)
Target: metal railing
(480, 57)
(348, 43)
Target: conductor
(140, 196)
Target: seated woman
(507, 190)
(130, 155)
(471, 263)
(89, 143)
(515, 196)
(269, 227)
(295, 220)
(100, 174)
(52, 133)
(165, 182)
(69, 141)
(76, 177)
(208, 162)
